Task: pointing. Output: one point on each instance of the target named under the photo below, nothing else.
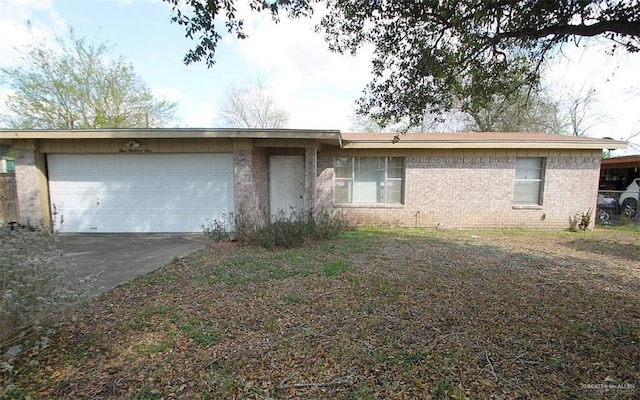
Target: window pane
(528, 162)
(367, 180)
(343, 167)
(394, 162)
(394, 191)
(528, 168)
(527, 192)
(528, 174)
(343, 191)
(395, 167)
(529, 180)
(341, 161)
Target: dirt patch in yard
(374, 314)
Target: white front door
(287, 184)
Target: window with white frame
(529, 181)
(7, 165)
(369, 180)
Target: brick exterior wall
(251, 182)
(261, 180)
(8, 198)
(27, 176)
(458, 190)
(310, 168)
(442, 188)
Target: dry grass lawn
(374, 314)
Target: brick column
(30, 202)
(310, 171)
(251, 181)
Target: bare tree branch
(252, 106)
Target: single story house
(176, 180)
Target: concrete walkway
(121, 257)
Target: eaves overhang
(465, 140)
(622, 162)
(484, 140)
(177, 133)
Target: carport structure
(616, 173)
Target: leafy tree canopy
(78, 87)
(521, 111)
(436, 54)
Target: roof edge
(630, 159)
(591, 145)
(170, 133)
(496, 140)
(467, 140)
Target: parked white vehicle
(629, 198)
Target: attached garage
(169, 192)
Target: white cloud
(316, 86)
(199, 115)
(614, 79)
(320, 112)
(24, 22)
(168, 93)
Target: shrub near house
(34, 283)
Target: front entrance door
(287, 184)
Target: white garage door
(139, 192)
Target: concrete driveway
(121, 257)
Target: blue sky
(317, 87)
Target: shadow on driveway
(120, 257)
